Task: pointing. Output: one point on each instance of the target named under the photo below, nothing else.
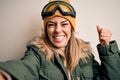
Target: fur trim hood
(85, 48)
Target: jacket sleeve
(110, 62)
(24, 69)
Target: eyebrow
(61, 22)
(64, 21)
(50, 22)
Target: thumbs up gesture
(104, 36)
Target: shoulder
(85, 51)
(34, 49)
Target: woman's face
(59, 31)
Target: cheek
(68, 30)
(69, 34)
(49, 33)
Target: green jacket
(33, 66)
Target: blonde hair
(75, 50)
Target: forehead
(57, 19)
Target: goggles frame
(57, 7)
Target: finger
(98, 29)
(105, 32)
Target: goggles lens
(65, 9)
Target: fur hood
(85, 48)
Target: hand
(104, 36)
(4, 75)
(1, 77)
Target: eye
(51, 24)
(64, 24)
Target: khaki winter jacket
(33, 66)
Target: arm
(110, 61)
(24, 69)
(109, 55)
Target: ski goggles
(65, 9)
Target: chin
(59, 45)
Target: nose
(58, 28)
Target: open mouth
(58, 38)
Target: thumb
(98, 29)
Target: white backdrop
(20, 21)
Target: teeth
(59, 37)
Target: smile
(58, 38)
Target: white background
(20, 21)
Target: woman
(58, 55)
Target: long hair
(75, 50)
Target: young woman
(58, 55)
